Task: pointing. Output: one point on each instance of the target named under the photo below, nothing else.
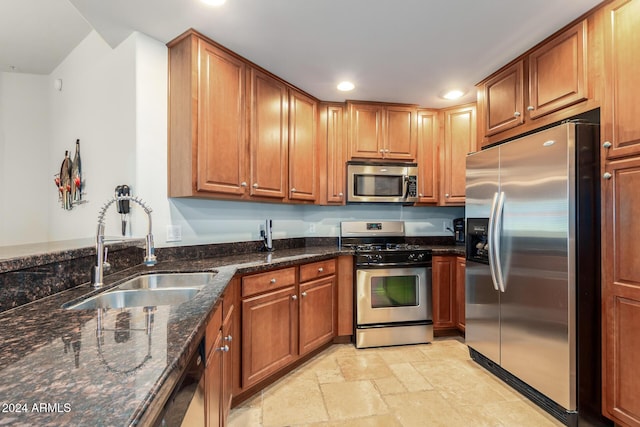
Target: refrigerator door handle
(497, 231)
(490, 232)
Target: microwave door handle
(406, 186)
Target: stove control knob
(420, 256)
(412, 257)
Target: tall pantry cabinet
(621, 213)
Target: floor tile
(425, 385)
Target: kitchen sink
(147, 290)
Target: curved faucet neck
(149, 258)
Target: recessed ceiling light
(214, 2)
(346, 86)
(453, 94)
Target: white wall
(27, 180)
(115, 102)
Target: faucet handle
(105, 264)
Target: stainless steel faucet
(97, 272)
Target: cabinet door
(336, 154)
(503, 102)
(621, 109)
(317, 318)
(558, 72)
(459, 139)
(460, 293)
(222, 147)
(428, 160)
(443, 290)
(345, 295)
(228, 358)
(269, 334)
(303, 177)
(268, 139)
(213, 383)
(621, 292)
(400, 133)
(366, 132)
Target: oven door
(390, 295)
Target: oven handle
(366, 266)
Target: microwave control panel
(412, 186)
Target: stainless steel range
(393, 284)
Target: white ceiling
(394, 50)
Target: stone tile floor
(433, 384)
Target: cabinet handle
(607, 175)
(224, 348)
(386, 150)
(530, 108)
(228, 338)
(255, 185)
(517, 114)
(607, 144)
(446, 195)
(304, 294)
(293, 190)
(340, 195)
(273, 280)
(420, 195)
(320, 270)
(294, 297)
(243, 184)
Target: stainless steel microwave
(376, 182)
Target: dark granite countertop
(56, 371)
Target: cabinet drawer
(268, 281)
(317, 269)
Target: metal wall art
(69, 181)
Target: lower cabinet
(219, 367)
(448, 294)
(213, 376)
(286, 314)
(461, 264)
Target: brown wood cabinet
(268, 140)
(620, 107)
(382, 131)
(345, 296)
(214, 370)
(269, 333)
(621, 209)
(303, 165)
(333, 153)
(459, 138)
(444, 294)
(207, 148)
(501, 99)
(548, 78)
(428, 160)
(460, 293)
(286, 314)
(317, 313)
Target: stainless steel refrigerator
(532, 272)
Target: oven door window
(394, 291)
(379, 185)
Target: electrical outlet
(174, 233)
(312, 228)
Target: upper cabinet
(207, 123)
(428, 163)
(549, 78)
(303, 168)
(620, 107)
(382, 131)
(235, 130)
(332, 154)
(268, 139)
(459, 139)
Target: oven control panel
(393, 258)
